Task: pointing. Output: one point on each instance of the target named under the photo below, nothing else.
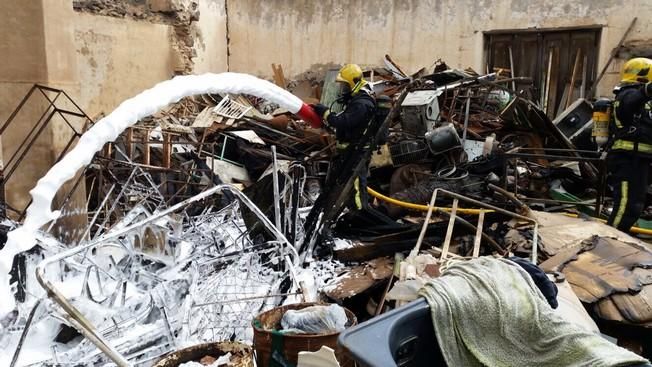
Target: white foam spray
(108, 129)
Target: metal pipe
(75, 104)
(275, 131)
(38, 122)
(297, 188)
(251, 298)
(23, 335)
(424, 228)
(478, 236)
(116, 200)
(465, 82)
(41, 86)
(602, 184)
(449, 231)
(20, 152)
(18, 108)
(67, 112)
(535, 242)
(277, 196)
(551, 157)
(97, 214)
(563, 150)
(552, 201)
(76, 319)
(167, 321)
(466, 119)
(512, 67)
(66, 199)
(485, 205)
(522, 79)
(546, 93)
(511, 197)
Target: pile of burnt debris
(216, 209)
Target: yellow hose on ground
(637, 230)
(423, 208)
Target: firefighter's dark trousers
(359, 199)
(628, 178)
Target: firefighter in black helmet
(630, 153)
(350, 125)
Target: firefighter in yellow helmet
(351, 124)
(630, 152)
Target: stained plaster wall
(99, 60)
(37, 46)
(211, 40)
(303, 35)
(117, 58)
(24, 62)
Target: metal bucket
(241, 354)
(267, 322)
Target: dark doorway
(554, 59)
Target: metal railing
(55, 102)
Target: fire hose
(420, 207)
(424, 208)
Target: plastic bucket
(267, 322)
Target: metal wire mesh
(226, 300)
(212, 282)
(216, 234)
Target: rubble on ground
(214, 209)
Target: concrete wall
(98, 60)
(211, 42)
(118, 58)
(303, 34)
(23, 51)
(37, 47)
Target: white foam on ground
(108, 129)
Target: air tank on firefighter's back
(602, 109)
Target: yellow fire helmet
(351, 74)
(637, 70)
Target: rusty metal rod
(248, 299)
(18, 108)
(41, 127)
(23, 335)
